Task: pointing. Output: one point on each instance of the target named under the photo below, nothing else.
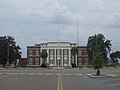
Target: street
(50, 79)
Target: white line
(58, 74)
(117, 84)
(22, 73)
(110, 80)
(39, 73)
(8, 73)
(14, 73)
(30, 73)
(78, 74)
(48, 73)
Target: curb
(102, 76)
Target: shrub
(44, 65)
(73, 65)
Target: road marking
(60, 86)
(30, 73)
(14, 73)
(48, 73)
(78, 74)
(117, 84)
(11, 78)
(110, 80)
(8, 73)
(39, 73)
(22, 73)
(58, 74)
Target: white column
(62, 57)
(40, 57)
(76, 59)
(48, 56)
(55, 57)
(69, 57)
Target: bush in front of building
(44, 65)
(73, 65)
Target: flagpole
(58, 46)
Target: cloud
(114, 19)
(37, 20)
(41, 10)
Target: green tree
(9, 50)
(44, 55)
(98, 60)
(114, 58)
(98, 48)
(74, 52)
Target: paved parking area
(50, 79)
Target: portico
(58, 56)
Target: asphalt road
(49, 79)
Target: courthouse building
(58, 54)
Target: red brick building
(33, 55)
(63, 59)
(82, 56)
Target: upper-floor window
(37, 53)
(58, 52)
(30, 52)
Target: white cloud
(41, 10)
(114, 19)
(47, 13)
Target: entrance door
(58, 62)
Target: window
(37, 61)
(79, 61)
(86, 60)
(59, 51)
(66, 61)
(51, 61)
(65, 52)
(37, 53)
(31, 53)
(51, 51)
(30, 61)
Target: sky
(32, 22)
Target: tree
(9, 50)
(114, 58)
(44, 55)
(74, 51)
(98, 48)
(98, 60)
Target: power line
(87, 25)
(35, 22)
(59, 9)
(38, 8)
(104, 10)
